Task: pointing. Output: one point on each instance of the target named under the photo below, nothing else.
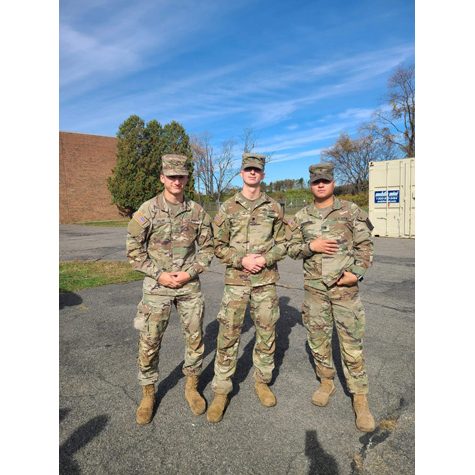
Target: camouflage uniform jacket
(159, 242)
(346, 223)
(239, 231)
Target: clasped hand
(253, 263)
(174, 280)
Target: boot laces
(221, 398)
(149, 390)
(192, 382)
(361, 403)
(327, 385)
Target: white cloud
(266, 108)
(284, 157)
(82, 56)
(259, 89)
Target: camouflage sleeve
(138, 231)
(362, 243)
(279, 249)
(297, 248)
(206, 246)
(225, 253)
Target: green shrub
(361, 199)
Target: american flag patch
(141, 219)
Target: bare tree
(249, 139)
(351, 157)
(213, 171)
(249, 142)
(398, 121)
(203, 156)
(226, 171)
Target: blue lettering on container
(381, 197)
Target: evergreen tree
(136, 176)
(154, 149)
(128, 178)
(176, 141)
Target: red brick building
(85, 163)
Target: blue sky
(299, 73)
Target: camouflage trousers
(153, 313)
(264, 306)
(343, 306)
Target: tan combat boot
(196, 402)
(145, 410)
(364, 419)
(265, 394)
(216, 410)
(322, 394)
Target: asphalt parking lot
(99, 393)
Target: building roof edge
(82, 133)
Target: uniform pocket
(360, 320)
(188, 229)
(142, 319)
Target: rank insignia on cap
(292, 224)
(141, 219)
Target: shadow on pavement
(320, 461)
(69, 299)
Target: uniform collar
(163, 205)
(263, 198)
(313, 210)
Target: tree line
(284, 185)
(388, 135)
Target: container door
(392, 198)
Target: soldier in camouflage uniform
(249, 240)
(333, 237)
(161, 244)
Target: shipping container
(392, 198)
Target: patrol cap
(174, 165)
(253, 160)
(321, 171)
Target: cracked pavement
(99, 393)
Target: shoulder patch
(363, 217)
(291, 224)
(218, 220)
(141, 219)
